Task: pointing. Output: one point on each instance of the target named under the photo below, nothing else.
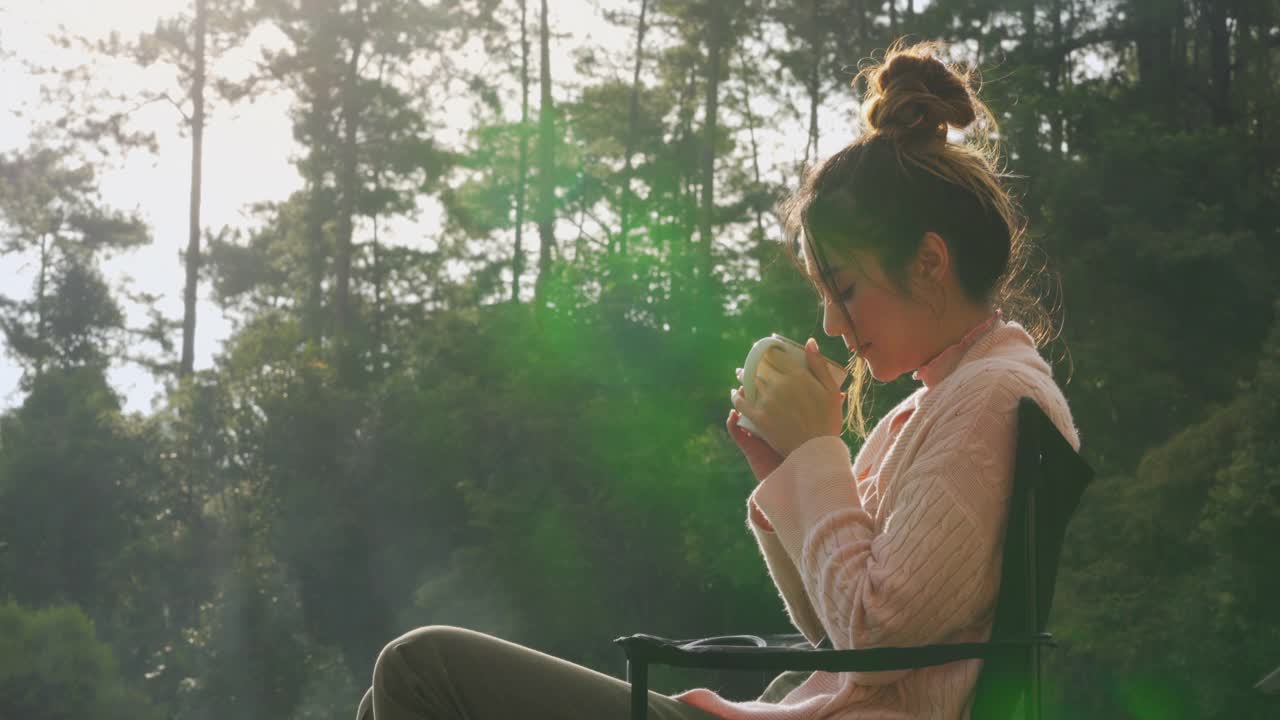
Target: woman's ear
(933, 259)
(930, 268)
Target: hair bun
(911, 94)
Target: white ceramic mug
(789, 355)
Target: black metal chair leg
(638, 676)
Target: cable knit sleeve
(932, 570)
(787, 579)
(783, 570)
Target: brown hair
(882, 192)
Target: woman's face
(886, 327)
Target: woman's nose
(833, 322)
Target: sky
(247, 153)
(253, 136)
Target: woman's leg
(441, 672)
(782, 685)
(365, 711)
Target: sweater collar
(942, 364)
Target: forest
(516, 422)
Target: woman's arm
(934, 569)
(790, 586)
(781, 568)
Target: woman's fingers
(818, 366)
(741, 436)
(738, 398)
(736, 431)
(750, 445)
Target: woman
(909, 240)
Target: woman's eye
(844, 296)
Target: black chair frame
(1049, 479)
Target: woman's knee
(432, 634)
(419, 648)
(365, 710)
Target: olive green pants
(441, 672)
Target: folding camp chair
(1049, 478)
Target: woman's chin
(875, 372)
(882, 375)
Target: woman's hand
(796, 406)
(762, 458)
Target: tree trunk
(688, 168)
(187, 362)
(348, 188)
(675, 247)
(1178, 67)
(186, 365)
(1258, 52)
(1068, 71)
(1154, 49)
(755, 152)
(517, 260)
(1219, 61)
(1055, 81)
(312, 325)
(815, 82)
(715, 42)
(41, 284)
(580, 242)
(1028, 139)
(546, 178)
(633, 114)
(319, 82)
(318, 208)
(376, 343)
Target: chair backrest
(1048, 479)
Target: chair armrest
(790, 640)
(751, 652)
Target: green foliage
(50, 209)
(557, 473)
(53, 667)
(247, 655)
(67, 453)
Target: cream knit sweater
(902, 547)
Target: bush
(52, 666)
